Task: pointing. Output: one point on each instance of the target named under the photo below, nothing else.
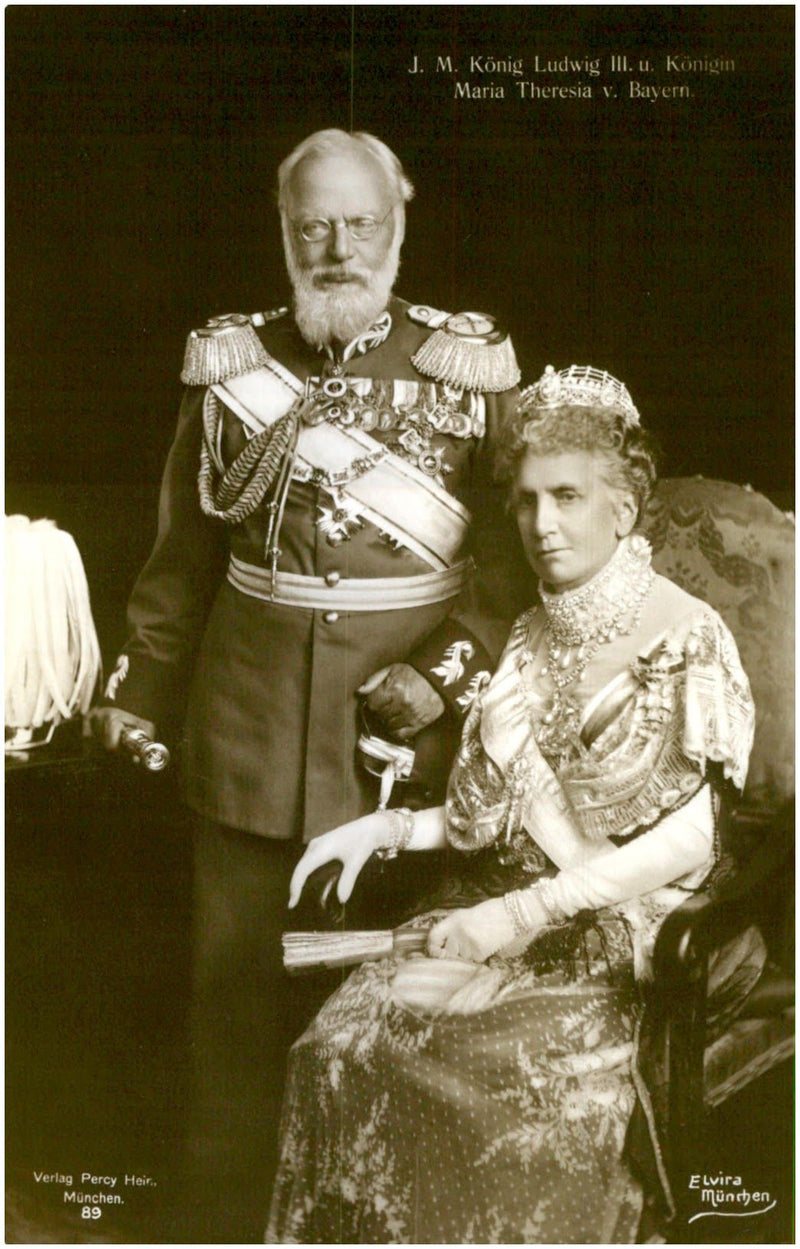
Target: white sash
(262, 397)
(426, 519)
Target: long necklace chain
(575, 635)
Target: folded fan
(306, 951)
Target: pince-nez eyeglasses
(318, 229)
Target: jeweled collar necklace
(597, 608)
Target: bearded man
(311, 559)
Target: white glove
(677, 846)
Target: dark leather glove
(402, 700)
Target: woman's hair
(629, 452)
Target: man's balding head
(367, 152)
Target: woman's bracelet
(514, 903)
(544, 895)
(517, 908)
(402, 830)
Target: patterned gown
(434, 1101)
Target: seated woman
(482, 1092)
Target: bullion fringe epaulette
(466, 349)
(226, 347)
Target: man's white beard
(339, 312)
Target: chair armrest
(707, 920)
(319, 909)
(386, 893)
(702, 924)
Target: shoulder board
(227, 346)
(261, 318)
(467, 349)
(422, 314)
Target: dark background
(653, 239)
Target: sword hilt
(152, 755)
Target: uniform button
(332, 578)
(330, 617)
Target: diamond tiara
(582, 386)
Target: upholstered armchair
(731, 547)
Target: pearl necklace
(607, 607)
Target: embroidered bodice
(656, 706)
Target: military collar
(377, 333)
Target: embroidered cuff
(144, 686)
(456, 664)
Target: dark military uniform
(272, 722)
(272, 622)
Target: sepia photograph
(399, 835)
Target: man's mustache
(339, 274)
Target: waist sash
(394, 495)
